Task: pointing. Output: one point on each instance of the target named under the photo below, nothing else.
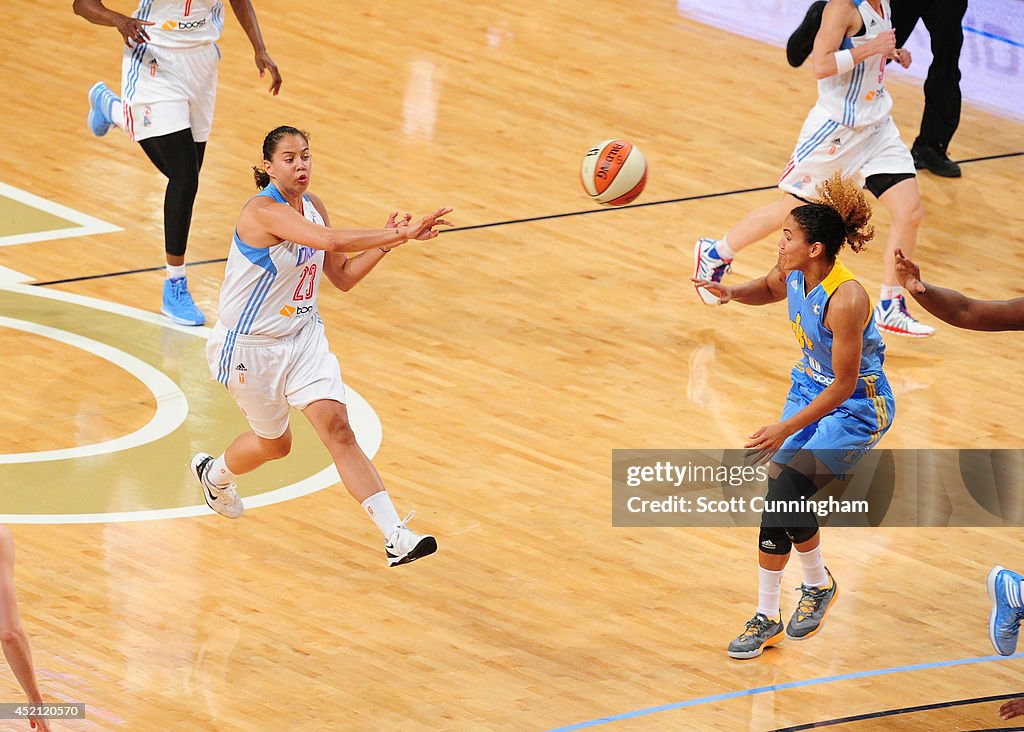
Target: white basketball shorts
(826, 146)
(165, 90)
(266, 376)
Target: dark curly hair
(838, 216)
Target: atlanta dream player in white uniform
(168, 87)
(849, 129)
(268, 347)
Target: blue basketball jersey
(807, 318)
(841, 437)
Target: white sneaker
(708, 267)
(224, 501)
(896, 320)
(405, 545)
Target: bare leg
(904, 203)
(761, 222)
(330, 420)
(248, 451)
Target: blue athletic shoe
(178, 303)
(1004, 622)
(100, 101)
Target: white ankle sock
(814, 567)
(219, 474)
(383, 512)
(891, 291)
(174, 271)
(769, 592)
(724, 250)
(117, 113)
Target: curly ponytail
(838, 216)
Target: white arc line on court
(365, 423)
(171, 404)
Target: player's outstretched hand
(423, 229)
(908, 273)
(722, 292)
(394, 220)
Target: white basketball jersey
(858, 98)
(182, 24)
(271, 291)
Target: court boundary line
(510, 222)
(647, 711)
(87, 225)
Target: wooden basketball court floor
(498, 366)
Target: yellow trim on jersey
(838, 276)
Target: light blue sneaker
(1004, 622)
(100, 100)
(178, 304)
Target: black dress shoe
(934, 159)
(801, 43)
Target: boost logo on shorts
(184, 25)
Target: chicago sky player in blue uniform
(838, 407)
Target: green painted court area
(20, 218)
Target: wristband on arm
(844, 60)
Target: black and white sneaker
(224, 500)
(405, 545)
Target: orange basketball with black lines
(614, 172)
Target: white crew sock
(814, 567)
(383, 512)
(219, 473)
(769, 592)
(891, 291)
(174, 271)
(724, 250)
(116, 113)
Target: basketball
(614, 172)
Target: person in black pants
(168, 93)
(944, 21)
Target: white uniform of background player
(170, 83)
(850, 128)
(268, 346)
(168, 92)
